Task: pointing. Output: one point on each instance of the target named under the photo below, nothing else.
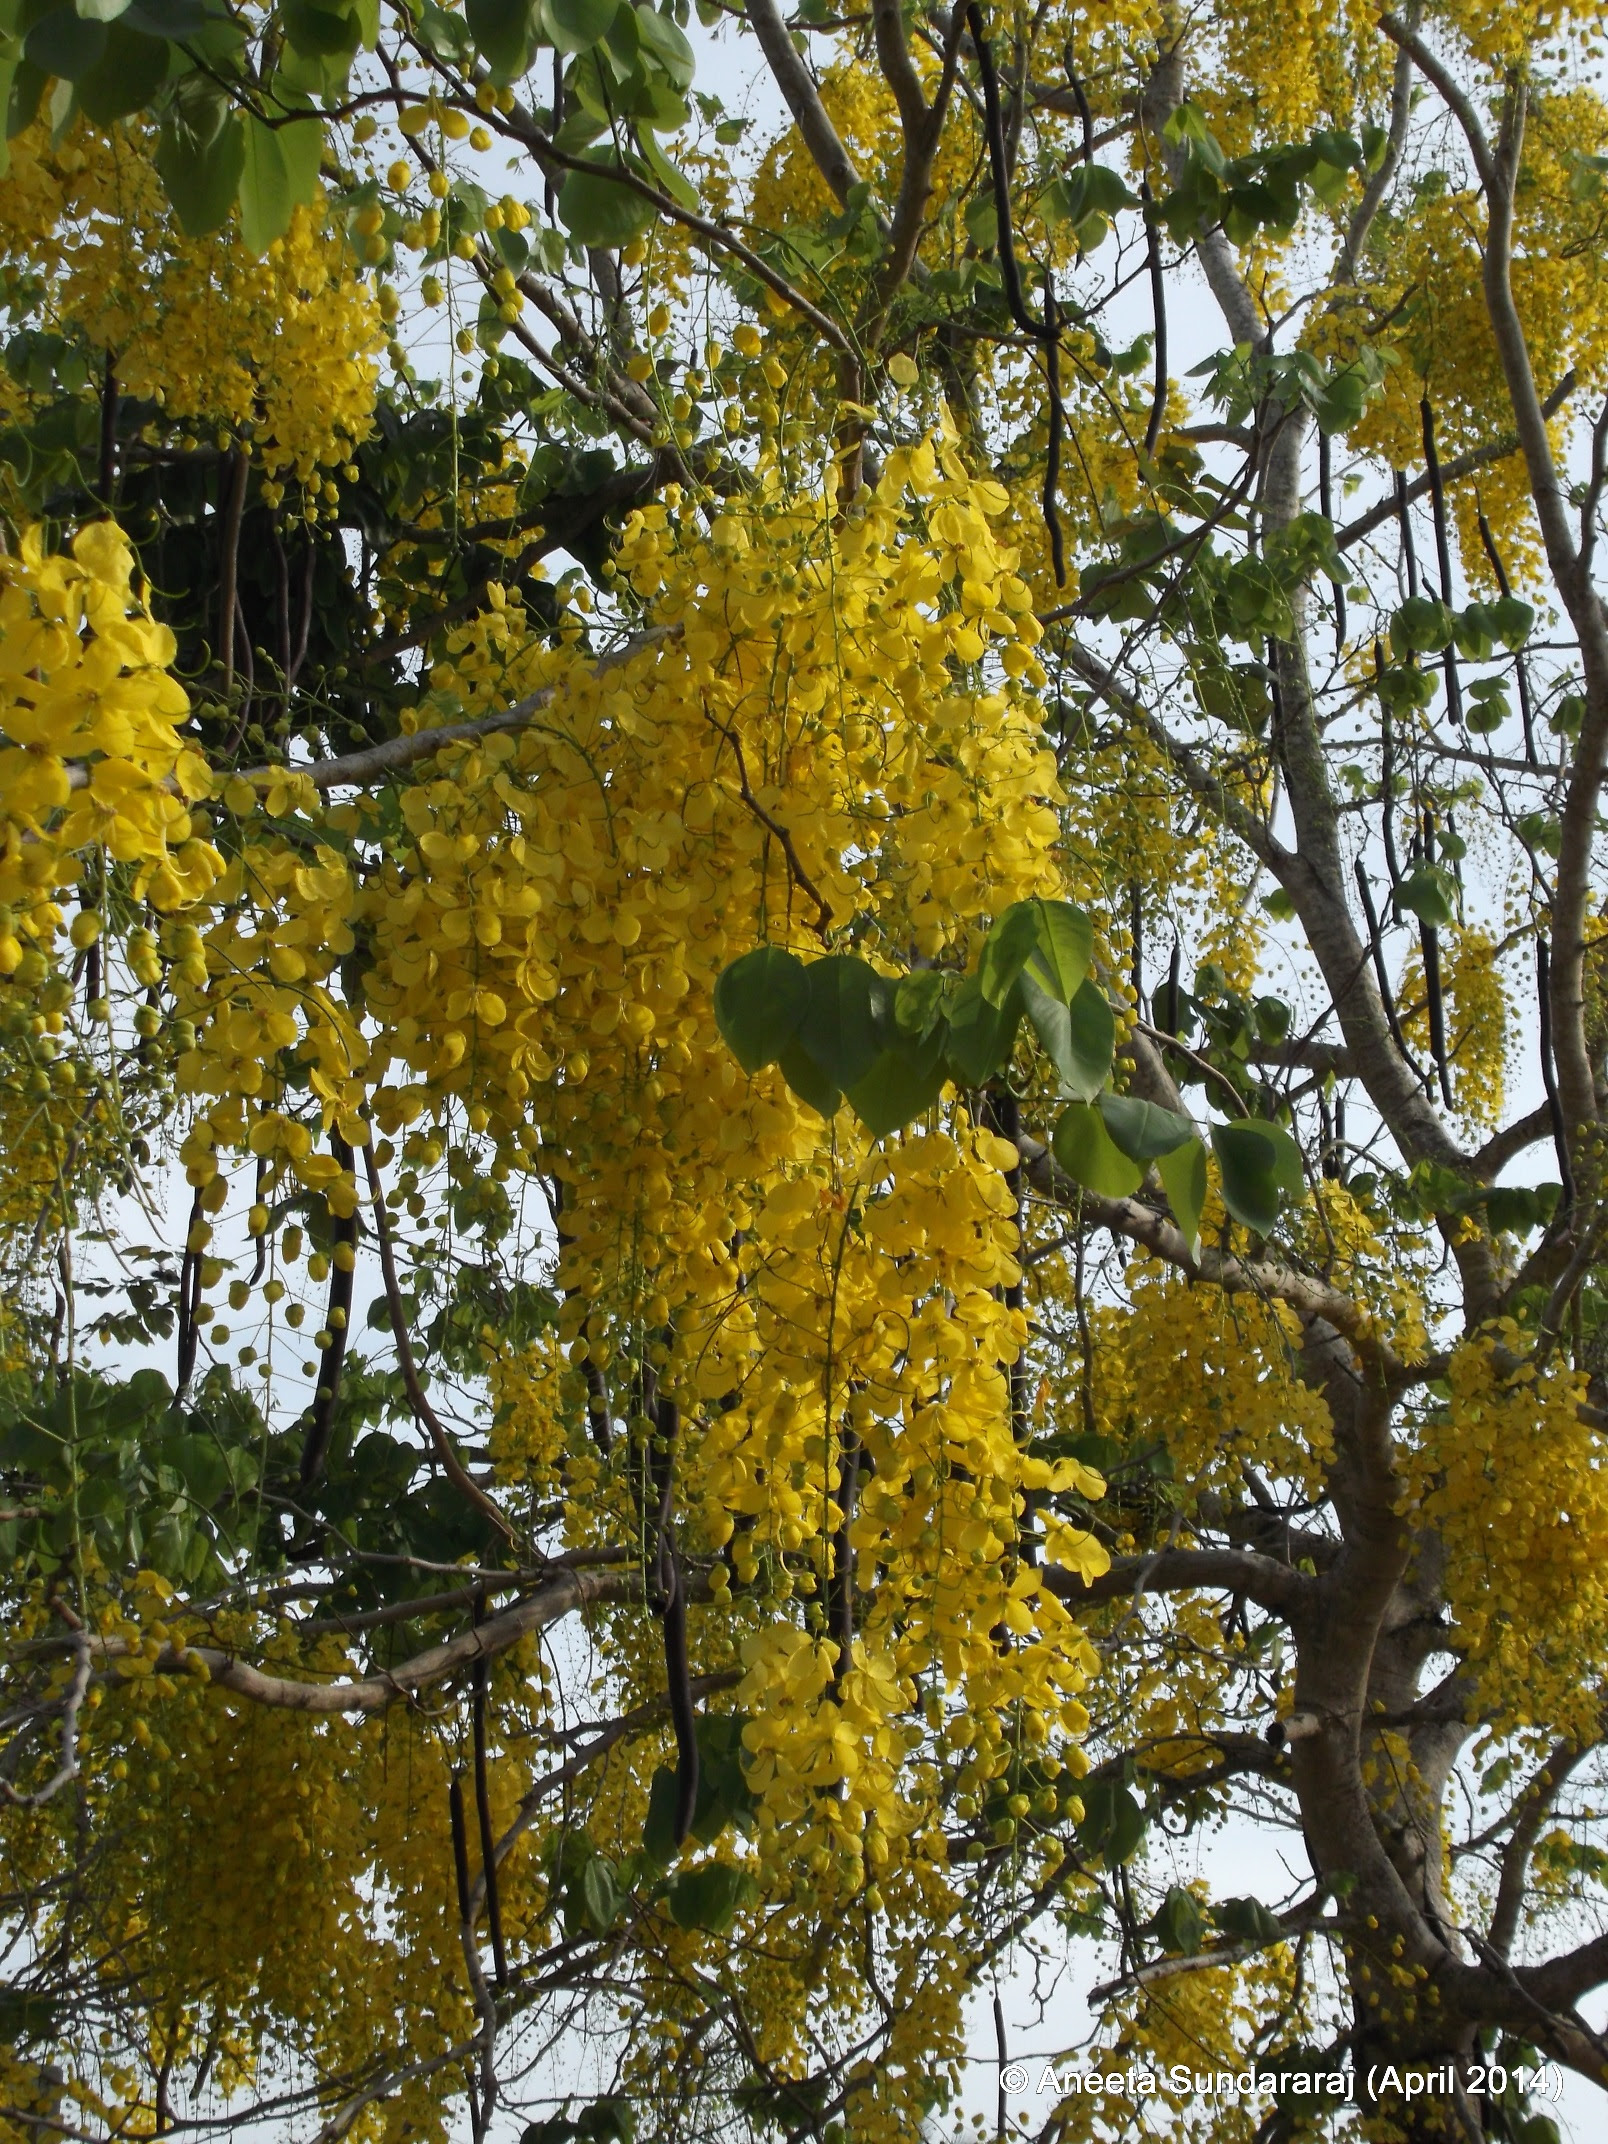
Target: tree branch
(560, 1596)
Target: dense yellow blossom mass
(802, 1061)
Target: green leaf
(1113, 1821)
(578, 25)
(175, 19)
(1186, 128)
(709, 1897)
(980, 1035)
(318, 32)
(1183, 1178)
(672, 179)
(201, 180)
(903, 1084)
(807, 1080)
(848, 1017)
(26, 2014)
(504, 34)
(1006, 948)
(669, 47)
(597, 210)
(600, 1894)
(1052, 1023)
(1143, 1130)
(1247, 1920)
(1515, 1209)
(1260, 1164)
(279, 169)
(1488, 706)
(101, 10)
(1178, 1923)
(1089, 1155)
(1473, 632)
(1065, 949)
(1092, 1040)
(1427, 894)
(982, 220)
(724, 1795)
(579, 131)
(759, 1002)
(201, 1466)
(1422, 626)
(659, 1830)
(129, 75)
(1511, 621)
(918, 1002)
(65, 45)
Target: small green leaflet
(918, 1002)
(130, 72)
(808, 1081)
(1092, 1030)
(600, 1894)
(668, 46)
(1080, 1039)
(1051, 939)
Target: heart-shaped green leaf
(848, 1017)
(759, 1002)
(807, 1080)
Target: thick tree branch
(1277, 1587)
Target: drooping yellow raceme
(279, 353)
(517, 964)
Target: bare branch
(557, 1597)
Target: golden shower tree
(802, 1023)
